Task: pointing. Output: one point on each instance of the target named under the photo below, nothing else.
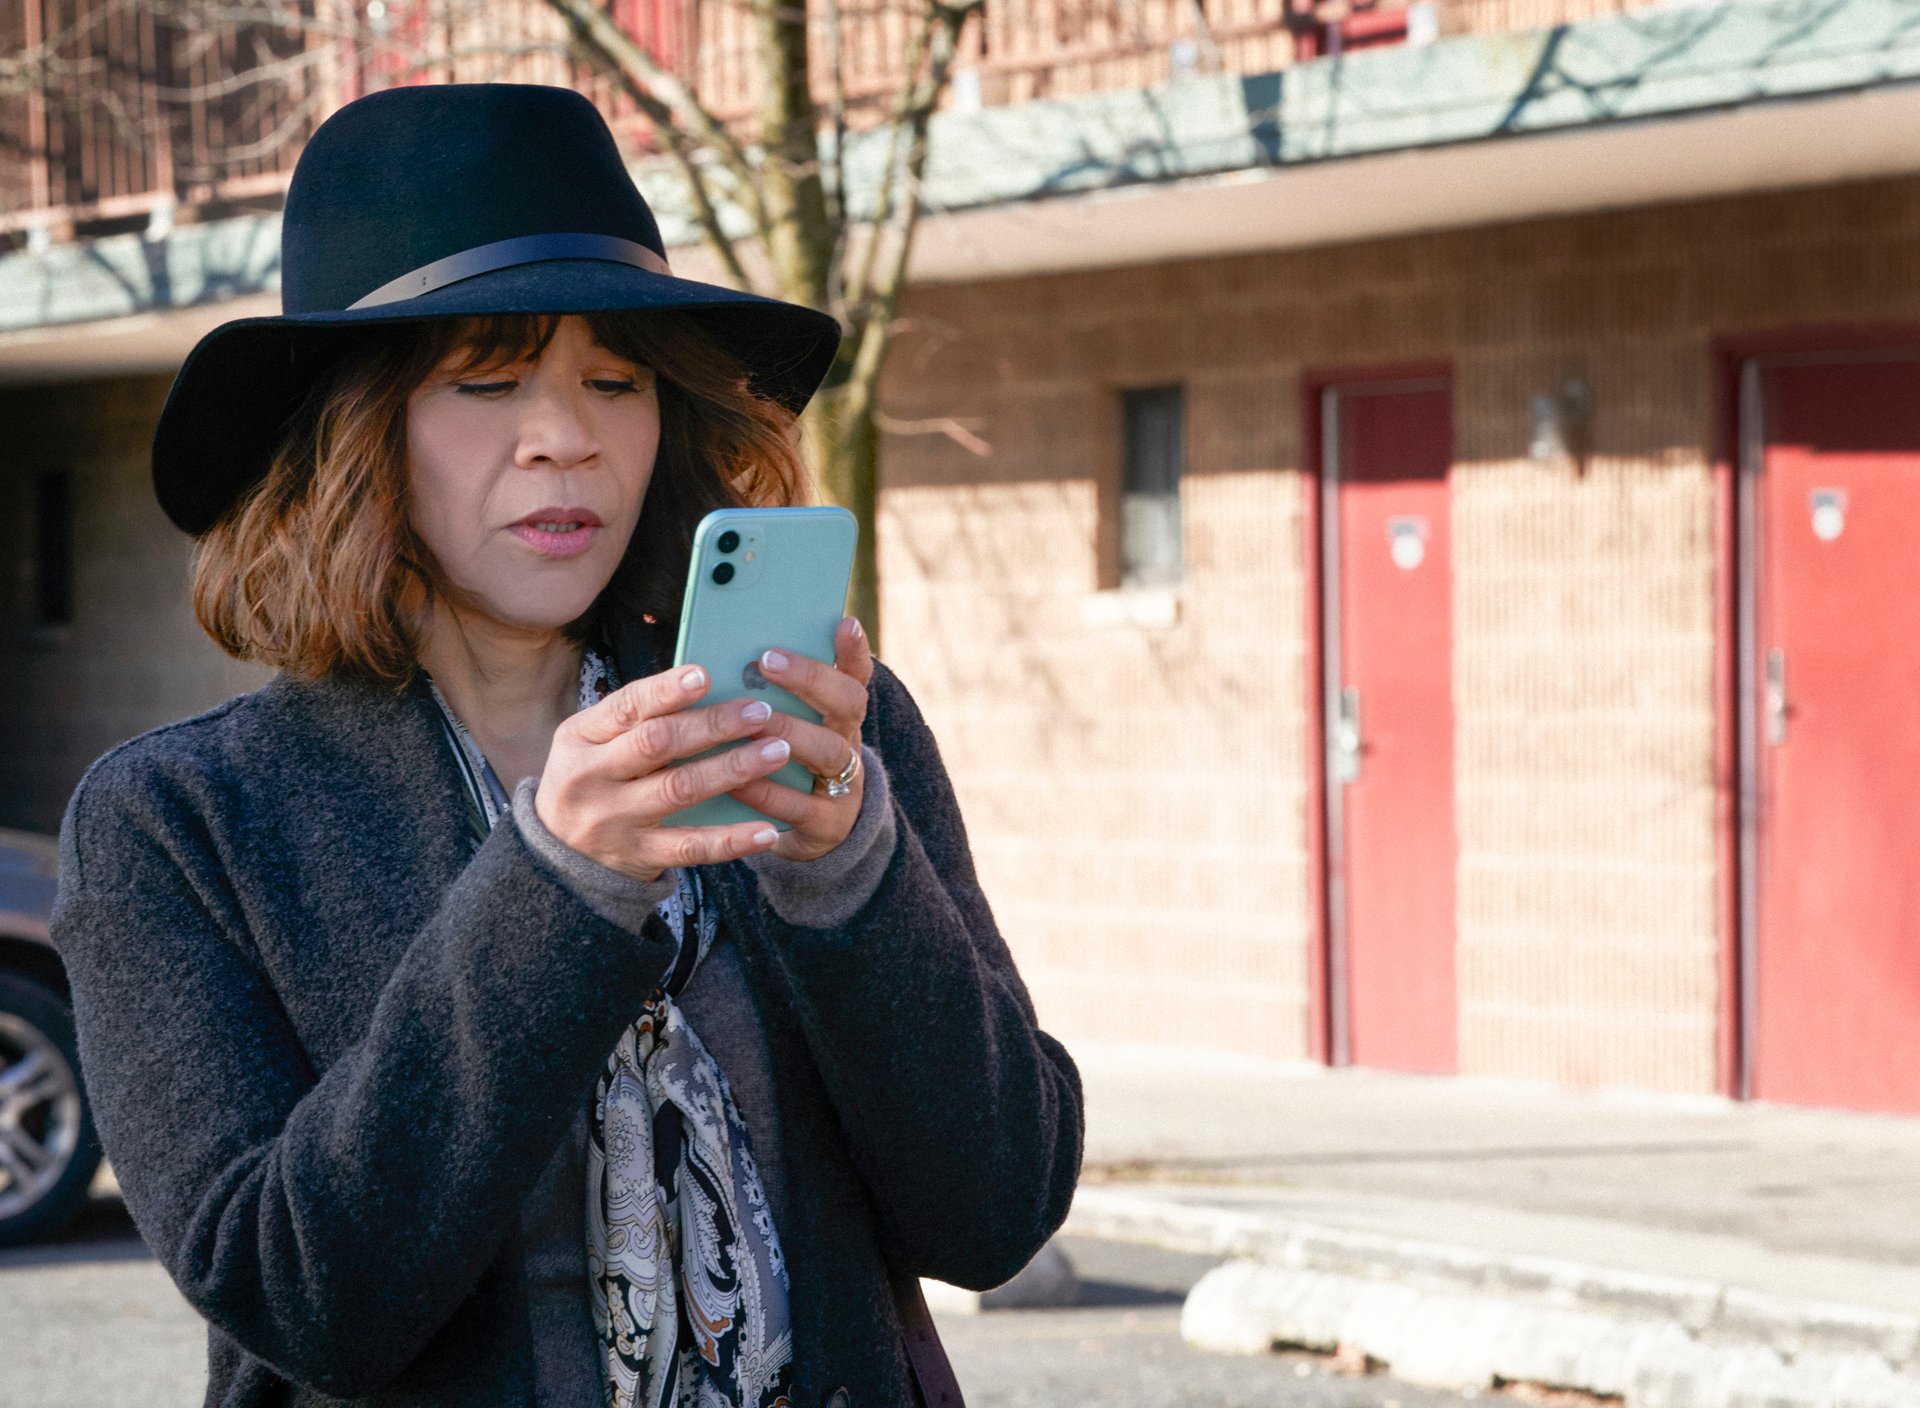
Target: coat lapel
(378, 835)
(373, 836)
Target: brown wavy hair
(317, 569)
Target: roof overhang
(1773, 146)
(137, 344)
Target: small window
(53, 549)
(1155, 455)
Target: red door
(1834, 732)
(1388, 637)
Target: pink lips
(558, 532)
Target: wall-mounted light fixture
(1562, 422)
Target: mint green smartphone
(761, 579)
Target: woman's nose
(553, 432)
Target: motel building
(1405, 521)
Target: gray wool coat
(330, 1050)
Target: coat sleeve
(963, 1117)
(329, 1223)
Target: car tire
(48, 1148)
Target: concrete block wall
(133, 656)
(1135, 790)
(1138, 769)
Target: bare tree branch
(706, 214)
(297, 120)
(945, 23)
(36, 70)
(963, 433)
(683, 147)
(45, 69)
(665, 98)
(861, 286)
(204, 17)
(837, 113)
(244, 79)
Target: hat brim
(241, 384)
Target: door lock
(1346, 736)
(1776, 691)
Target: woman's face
(527, 479)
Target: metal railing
(114, 112)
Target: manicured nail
(766, 837)
(774, 750)
(693, 678)
(757, 712)
(773, 660)
(858, 629)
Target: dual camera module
(728, 541)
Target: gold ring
(840, 785)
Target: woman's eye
(612, 386)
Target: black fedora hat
(446, 201)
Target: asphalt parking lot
(91, 1321)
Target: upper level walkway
(114, 112)
(1658, 104)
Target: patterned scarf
(688, 1286)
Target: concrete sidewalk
(1670, 1252)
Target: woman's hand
(839, 692)
(611, 777)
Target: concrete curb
(1047, 1282)
(1464, 1317)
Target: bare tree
(790, 185)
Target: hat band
(505, 254)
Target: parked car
(48, 1150)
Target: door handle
(1346, 736)
(1776, 691)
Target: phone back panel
(787, 590)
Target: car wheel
(48, 1150)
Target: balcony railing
(118, 112)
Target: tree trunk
(846, 454)
(801, 239)
(799, 236)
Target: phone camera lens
(723, 573)
(729, 540)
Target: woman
(434, 1068)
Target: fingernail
(765, 838)
(858, 629)
(694, 678)
(774, 660)
(774, 750)
(757, 712)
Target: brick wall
(1139, 789)
(1136, 767)
(133, 656)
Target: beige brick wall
(133, 657)
(1138, 788)
(1139, 792)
